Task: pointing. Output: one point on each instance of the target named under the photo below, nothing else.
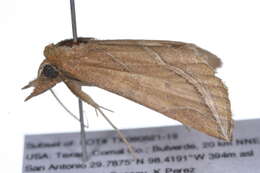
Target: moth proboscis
(174, 78)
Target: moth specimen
(174, 78)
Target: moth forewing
(174, 78)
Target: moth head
(48, 76)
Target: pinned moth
(174, 78)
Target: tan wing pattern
(176, 79)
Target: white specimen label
(171, 149)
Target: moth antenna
(120, 134)
(66, 109)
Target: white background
(230, 29)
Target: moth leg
(75, 88)
(66, 109)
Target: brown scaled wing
(176, 79)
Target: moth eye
(49, 71)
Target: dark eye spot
(49, 71)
